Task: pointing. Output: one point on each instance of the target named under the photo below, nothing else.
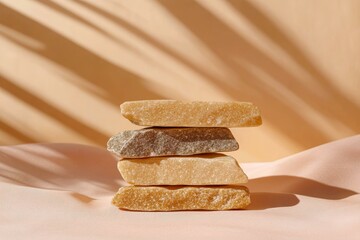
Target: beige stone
(149, 142)
(175, 113)
(205, 169)
(181, 198)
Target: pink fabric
(63, 191)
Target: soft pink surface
(63, 191)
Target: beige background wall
(65, 66)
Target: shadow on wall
(106, 76)
(231, 48)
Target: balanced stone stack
(173, 165)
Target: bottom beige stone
(181, 198)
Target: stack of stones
(173, 165)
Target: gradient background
(65, 67)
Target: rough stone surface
(173, 113)
(181, 198)
(206, 169)
(149, 142)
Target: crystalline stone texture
(150, 142)
(175, 113)
(158, 160)
(206, 169)
(181, 198)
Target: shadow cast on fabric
(60, 166)
(265, 200)
(298, 185)
(82, 198)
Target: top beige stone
(174, 113)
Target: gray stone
(151, 142)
